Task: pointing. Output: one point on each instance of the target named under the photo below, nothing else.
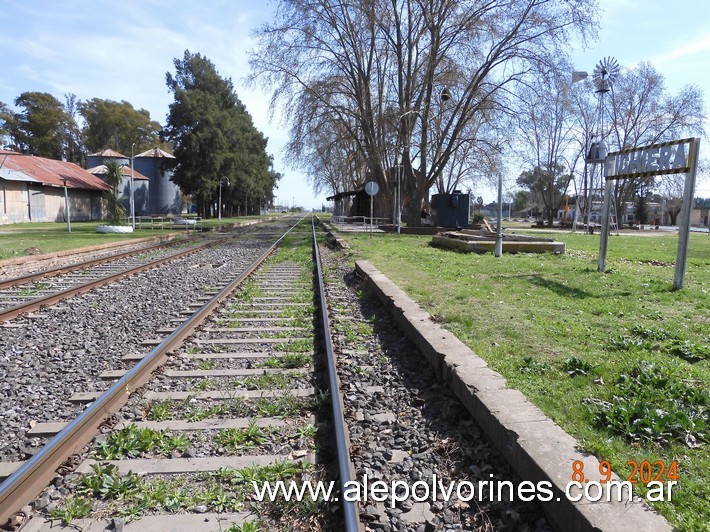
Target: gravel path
(45, 359)
(414, 428)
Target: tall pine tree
(213, 136)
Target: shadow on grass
(560, 288)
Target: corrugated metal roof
(107, 153)
(52, 173)
(156, 152)
(125, 170)
(14, 175)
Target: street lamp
(219, 208)
(133, 198)
(397, 196)
(499, 218)
(66, 204)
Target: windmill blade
(604, 73)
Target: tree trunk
(413, 207)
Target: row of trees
(208, 129)
(46, 127)
(443, 91)
(559, 121)
(425, 84)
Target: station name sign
(657, 159)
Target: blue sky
(121, 50)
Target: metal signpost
(371, 188)
(66, 205)
(133, 194)
(675, 157)
(219, 208)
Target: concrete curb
(333, 239)
(536, 448)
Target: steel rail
(342, 439)
(51, 299)
(53, 272)
(35, 474)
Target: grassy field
(51, 237)
(619, 360)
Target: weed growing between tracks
(134, 442)
(283, 406)
(618, 359)
(265, 381)
(106, 492)
(225, 490)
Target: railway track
(32, 292)
(236, 395)
(30, 272)
(28, 293)
(240, 396)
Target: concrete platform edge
(536, 448)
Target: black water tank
(451, 209)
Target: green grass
(50, 237)
(107, 492)
(576, 341)
(131, 442)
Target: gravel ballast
(405, 426)
(46, 358)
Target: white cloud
(685, 50)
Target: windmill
(604, 74)
(603, 77)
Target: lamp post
(398, 195)
(219, 208)
(499, 220)
(133, 198)
(66, 205)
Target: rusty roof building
(32, 189)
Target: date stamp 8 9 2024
(658, 476)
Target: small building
(354, 206)
(32, 190)
(700, 214)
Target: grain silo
(164, 195)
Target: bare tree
(407, 77)
(331, 159)
(547, 141)
(643, 113)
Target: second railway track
(31, 292)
